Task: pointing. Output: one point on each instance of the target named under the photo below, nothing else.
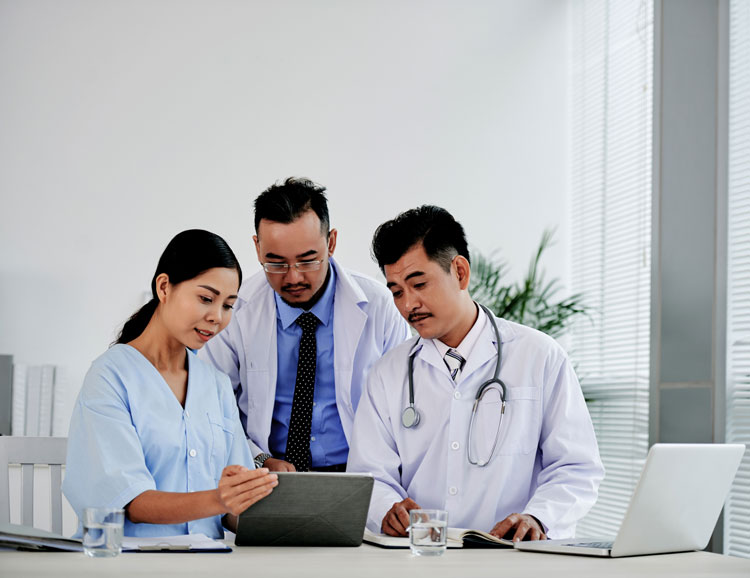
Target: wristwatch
(260, 459)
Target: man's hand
(277, 465)
(396, 521)
(239, 488)
(525, 526)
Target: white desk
(364, 562)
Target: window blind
(737, 509)
(611, 99)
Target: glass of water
(428, 532)
(102, 532)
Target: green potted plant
(532, 301)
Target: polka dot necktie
(298, 440)
(455, 362)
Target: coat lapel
(485, 348)
(348, 324)
(258, 329)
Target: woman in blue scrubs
(155, 430)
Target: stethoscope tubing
(410, 416)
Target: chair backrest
(27, 452)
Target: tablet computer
(309, 509)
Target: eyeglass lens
(303, 266)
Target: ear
(162, 287)
(332, 241)
(257, 247)
(463, 271)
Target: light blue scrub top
(129, 434)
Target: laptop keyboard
(602, 545)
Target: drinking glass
(102, 532)
(428, 532)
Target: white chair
(27, 452)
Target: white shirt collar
(467, 344)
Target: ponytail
(187, 255)
(137, 323)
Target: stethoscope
(410, 415)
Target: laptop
(309, 509)
(674, 507)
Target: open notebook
(457, 538)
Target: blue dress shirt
(328, 444)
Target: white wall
(122, 123)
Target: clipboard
(182, 544)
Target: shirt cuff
(131, 493)
(538, 521)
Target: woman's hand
(239, 488)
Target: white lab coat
(366, 324)
(547, 460)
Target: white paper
(18, 425)
(195, 541)
(33, 399)
(59, 420)
(45, 400)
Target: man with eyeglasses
(477, 415)
(304, 333)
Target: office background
(125, 122)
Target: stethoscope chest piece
(410, 417)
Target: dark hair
(187, 255)
(435, 228)
(285, 203)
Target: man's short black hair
(433, 227)
(285, 203)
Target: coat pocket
(519, 430)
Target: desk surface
(364, 562)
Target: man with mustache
(304, 333)
(493, 428)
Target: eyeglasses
(302, 267)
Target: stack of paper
(37, 394)
(6, 394)
(19, 400)
(28, 538)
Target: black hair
(285, 203)
(187, 255)
(433, 227)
